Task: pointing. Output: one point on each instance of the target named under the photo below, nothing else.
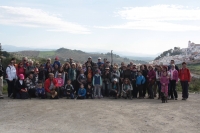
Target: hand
(116, 91)
(188, 82)
(176, 82)
(163, 83)
(79, 95)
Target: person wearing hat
(185, 78)
(89, 62)
(151, 78)
(115, 89)
(99, 63)
(115, 74)
(97, 83)
(21, 90)
(51, 86)
(57, 62)
(106, 81)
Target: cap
(99, 58)
(89, 57)
(56, 58)
(59, 74)
(115, 79)
(21, 76)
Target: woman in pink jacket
(164, 80)
(173, 81)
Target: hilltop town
(189, 54)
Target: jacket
(95, 80)
(11, 72)
(174, 75)
(82, 92)
(82, 79)
(126, 87)
(115, 87)
(40, 91)
(47, 84)
(184, 75)
(20, 86)
(69, 88)
(60, 82)
(140, 80)
(164, 80)
(152, 75)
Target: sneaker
(1, 97)
(176, 99)
(184, 99)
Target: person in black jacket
(144, 70)
(106, 81)
(127, 73)
(21, 90)
(173, 62)
(133, 80)
(89, 93)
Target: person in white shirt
(11, 78)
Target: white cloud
(28, 17)
(160, 13)
(158, 18)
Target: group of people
(94, 80)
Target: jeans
(185, 86)
(159, 87)
(173, 91)
(11, 87)
(97, 90)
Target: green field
(46, 54)
(194, 68)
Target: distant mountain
(77, 55)
(11, 48)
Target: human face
(31, 76)
(69, 82)
(20, 65)
(51, 76)
(184, 65)
(172, 62)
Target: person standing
(173, 81)
(151, 78)
(185, 78)
(1, 80)
(11, 77)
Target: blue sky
(129, 27)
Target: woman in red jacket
(20, 69)
(185, 78)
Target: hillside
(77, 55)
(170, 52)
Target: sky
(128, 27)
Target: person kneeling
(81, 92)
(69, 90)
(40, 92)
(89, 91)
(127, 89)
(21, 90)
(114, 91)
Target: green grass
(45, 54)
(194, 68)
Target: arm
(8, 72)
(100, 81)
(46, 86)
(93, 81)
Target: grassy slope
(45, 54)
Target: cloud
(160, 13)
(158, 18)
(28, 17)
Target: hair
(184, 63)
(128, 81)
(51, 74)
(67, 63)
(145, 67)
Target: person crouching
(81, 92)
(69, 90)
(115, 89)
(40, 92)
(90, 93)
(127, 89)
(21, 90)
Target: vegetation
(45, 54)
(171, 52)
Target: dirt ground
(100, 116)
